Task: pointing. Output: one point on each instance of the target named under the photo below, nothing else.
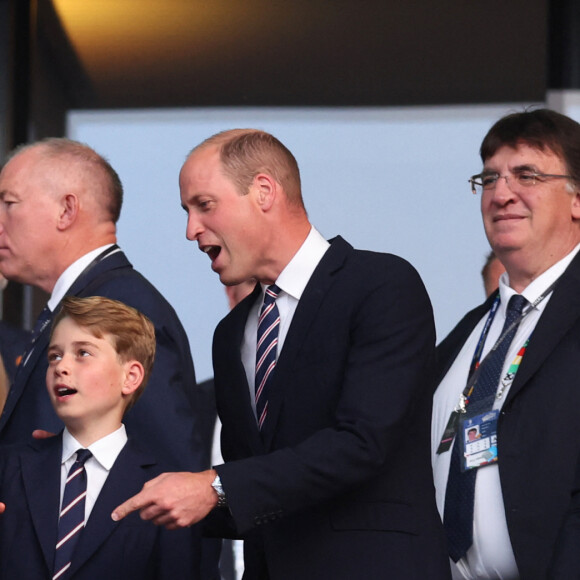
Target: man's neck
(522, 271)
(283, 249)
(86, 433)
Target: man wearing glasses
(510, 368)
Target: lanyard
(512, 370)
(474, 368)
(475, 361)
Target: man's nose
(503, 192)
(194, 227)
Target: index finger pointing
(132, 504)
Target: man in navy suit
(530, 204)
(100, 356)
(331, 478)
(59, 204)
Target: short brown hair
(244, 153)
(132, 332)
(540, 129)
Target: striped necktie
(72, 515)
(268, 326)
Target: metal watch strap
(217, 485)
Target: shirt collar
(67, 278)
(535, 289)
(105, 450)
(294, 277)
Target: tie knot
(516, 304)
(271, 294)
(83, 455)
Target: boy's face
(87, 382)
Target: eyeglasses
(487, 181)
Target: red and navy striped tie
(72, 515)
(268, 326)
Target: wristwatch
(217, 485)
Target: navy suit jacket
(566, 560)
(13, 341)
(538, 435)
(338, 484)
(163, 420)
(131, 549)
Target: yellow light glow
(145, 31)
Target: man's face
(85, 378)
(534, 222)
(28, 216)
(227, 226)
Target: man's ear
(576, 203)
(266, 189)
(69, 210)
(134, 375)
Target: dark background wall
(336, 53)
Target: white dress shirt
(291, 281)
(105, 452)
(491, 555)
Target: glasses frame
(533, 175)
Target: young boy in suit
(100, 357)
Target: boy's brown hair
(132, 332)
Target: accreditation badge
(479, 435)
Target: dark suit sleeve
(365, 359)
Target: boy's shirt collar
(105, 450)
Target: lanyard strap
(476, 362)
(474, 369)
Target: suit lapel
(305, 315)
(561, 314)
(23, 374)
(83, 285)
(451, 345)
(41, 474)
(124, 480)
(239, 392)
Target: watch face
(217, 485)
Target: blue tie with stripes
(72, 514)
(268, 326)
